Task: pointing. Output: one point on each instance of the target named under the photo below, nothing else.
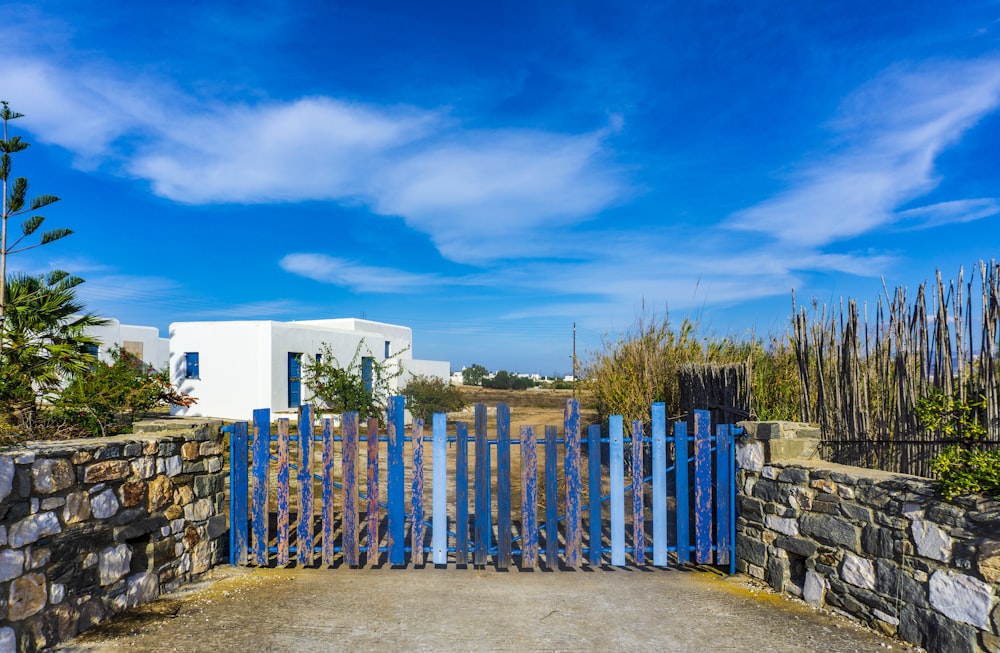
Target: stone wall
(91, 527)
(883, 548)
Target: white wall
(244, 365)
(434, 369)
(155, 350)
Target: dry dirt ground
(304, 610)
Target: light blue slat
(439, 460)
(638, 503)
(659, 425)
(594, 481)
(396, 485)
(722, 494)
(682, 492)
(617, 465)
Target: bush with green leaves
(361, 385)
(966, 467)
(107, 398)
(474, 374)
(428, 395)
(504, 380)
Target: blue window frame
(93, 350)
(367, 372)
(387, 349)
(294, 379)
(191, 365)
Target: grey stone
(777, 573)
(218, 526)
(795, 475)
(133, 449)
(936, 632)
(114, 563)
(104, 505)
(814, 589)
(52, 475)
(931, 540)
(8, 640)
(798, 545)
(752, 550)
(172, 466)
(77, 508)
(6, 476)
(962, 598)
(11, 564)
(200, 510)
(783, 525)
(858, 571)
(144, 467)
(142, 588)
(750, 508)
(830, 530)
(214, 464)
(766, 490)
(800, 498)
(855, 512)
(57, 592)
(877, 542)
(32, 528)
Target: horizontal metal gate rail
(703, 514)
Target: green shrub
(428, 395)
(107, 398)
(965, 467)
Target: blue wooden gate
(637, 511)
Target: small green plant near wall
(426, 395)
(966, 467)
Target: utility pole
(574, 360)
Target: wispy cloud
(477, 193)
(349, 274)
(942, 213)
(891, 131)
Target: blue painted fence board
(327, 514)
(681, 492)
(574, 486)
(703, 487)
(529, 499)
(551, 498)
(722, 452)
(372, 511)
(594, 490)
(396, 488)
(304, 481)
(439, 490)
(417, 496)
(261, 465)
(504, 524)
(282, 534)
(659, 433)
(616, 436)
(349, 482)
(638, 499)
(461, 494)
(483, 508)
(238, 506)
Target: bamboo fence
(861, 375)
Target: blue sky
(491, 174)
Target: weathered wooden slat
(551, 498)
(703, 487)
(349, 482)
(396, 489)
(574, 486)
(304, 483)
(282, 489)
(261, 466)
(238, 489)
(681, 492)
(372, 554)
(594, 479)
(529, 499)
(722, 453)
(638, 500)
(327, 514)
(417, 496)
(616, 436)
(439, 491)
(504, 524)
(481, 545)
(461, 494)
(659, 428)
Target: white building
(237, 366)
(142, 341)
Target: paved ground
(673, 610)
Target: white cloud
(942, 213)
(893, 130)
(361, 278)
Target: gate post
(238, 509)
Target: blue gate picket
(704, 460)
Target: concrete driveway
(243, 610)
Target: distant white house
(142, 341)
(234, 367)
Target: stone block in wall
(988, 561)
(831, 530)
(962, 598)
(51, 475)
(750, 456)
(858, 571)
(936, 632)
(776, 574)
(792, 449)
(800, 546)
(931, 540)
